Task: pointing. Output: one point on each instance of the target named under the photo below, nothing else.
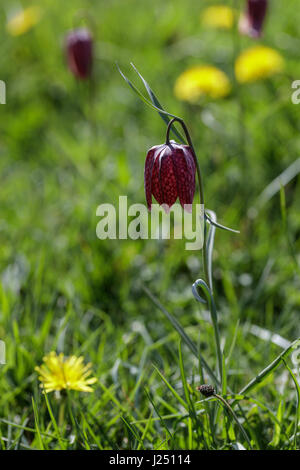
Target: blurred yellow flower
(257, 63)
(201, 80)
(65, 373)
(23, 21)
(218, 16)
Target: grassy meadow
(67, 146)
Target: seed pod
(79, 48)
(206, 390)
(170, 173)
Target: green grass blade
(277, 433)
(216, 224)
(297, 418)
(233, 342)
(147, 427)
(172, 390)
(182, 333)
(130, 428)
(37, 426)
(158, 414)
(185, 384)
(234, 416)
(158, 106)
(270, 368)
(56, 428)
(199, 283)
(282, 180)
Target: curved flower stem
(204, 250)
(200, 183)
(228, 407)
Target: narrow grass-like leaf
(234, 416)
(172, 390)
(277, 432)
(190, 431)
(216, 224)
(147, 427)
(263, 407)
(289, 241)
(192, 410)
(213, 311)
(85, 436)
(167, 404)
(142, 97)
(233, 342)
(56, 428)
(132, 430)
(297, 417)
(185, 384)
(159, 108)
(96, 439)
(158, 414)
(17, 442)
(270, 368)
(29, 429)
(282, 180)
(182, 333)
(224, 375)
(37, 426)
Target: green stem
(61, 413)
(269, 369)
(200, 183)
(217, 337)
(212, 307)
(228, 407)
(242, 145)
(91, 119)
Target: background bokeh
(66, 147)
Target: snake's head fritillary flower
(258, 63)
(252, 21)
(65, 373)
(170, 173)
(79, 45)
(201, 81)
(218, 16)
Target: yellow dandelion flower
(218, 16)
(65, 373)
(257, 63)
(201, 80)
(23, 21)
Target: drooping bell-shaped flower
(79, 48)
(252, 21)
(170, 174)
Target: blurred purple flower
(252, 21)
(79, 48)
